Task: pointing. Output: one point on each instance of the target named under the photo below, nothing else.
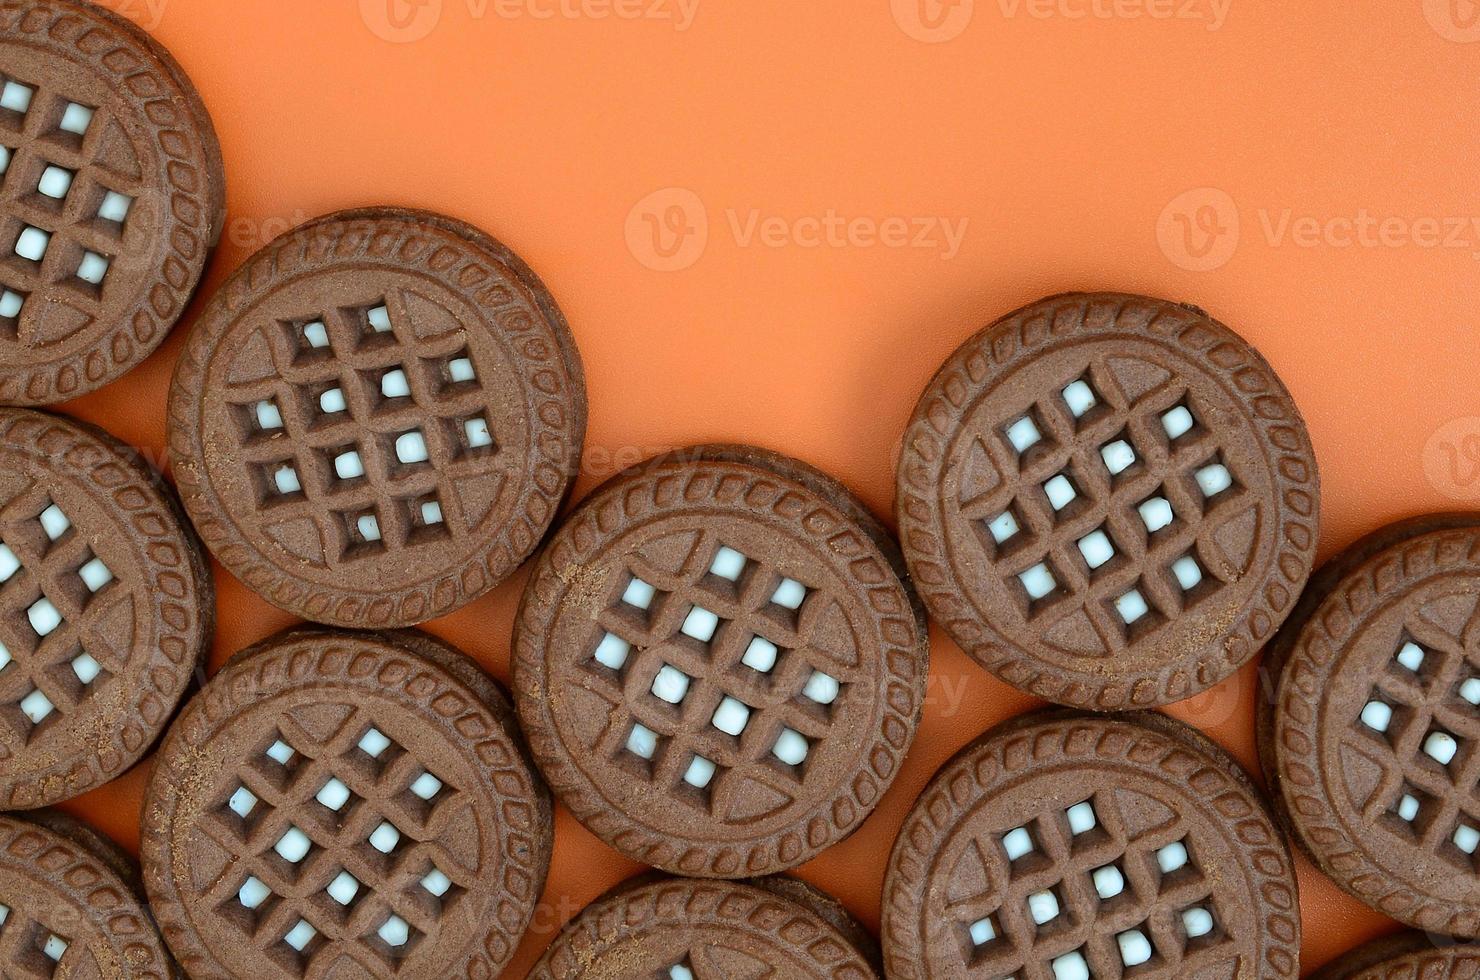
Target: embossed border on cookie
(766, 922)
(519, 318)
(760, 489)
(1405, 956)
(170, 612)
(930, 459)
(108, 920)
(1050, 746)
(187, 200)
(408, 674)
(1400, 854)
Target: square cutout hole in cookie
(1213, 481)
(1180, 424)
(697, 784)
(278, 483)
(1083, 823)
(1381, 719)
(1098, 550)
(1137, 952)
(426, 520)
(641, 751)
(32, 244)
(374, 751)
(670, 685)
(1004, 533)
(392, 386)
(1047, 912)
(1445, 748)
(363, 535)
(55, 183)
(472, 435)
(1111, 887)
(373, 325)
(1120, 458)
(1175, 865)
(1413, 662)
(1037, 588)
(407, 452)
(728, 572)
(612, 652)
(15, 100)
(1410, 813)
(1083, 401)
(1021, 849)
(701, 624)
(1200, 926)
(344, 467)
(114, 209)
(12, 304)
(310, 339)
(982, 939)
(1156, 514)
(459, 372)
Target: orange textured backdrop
(770, 222)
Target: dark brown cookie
(345, 804)
(66, 912)
(718, 664)
(1372, 737)
(690, 929)
(106, 607)
(1406, 956)
(111, 197)
(1064, 845)
(377, 417)
(1109, 501)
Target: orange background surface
(1065, 134)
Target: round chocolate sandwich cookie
(106, 607)
(719, 662)
(1406, 956)
(1064, 845)
(111, 197)
(377, 417)
(692, 929)
(66, 910)
(1108, 501)
(1372, 733)
(345, 805)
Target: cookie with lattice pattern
(720, 663)
(692, 929)
(375, 420)
(345, 804)
(1406, 956)
(106, 607)
(1370, 724)
(111, 197)
(1064, 845)
(69, 906)
(1107, 500)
